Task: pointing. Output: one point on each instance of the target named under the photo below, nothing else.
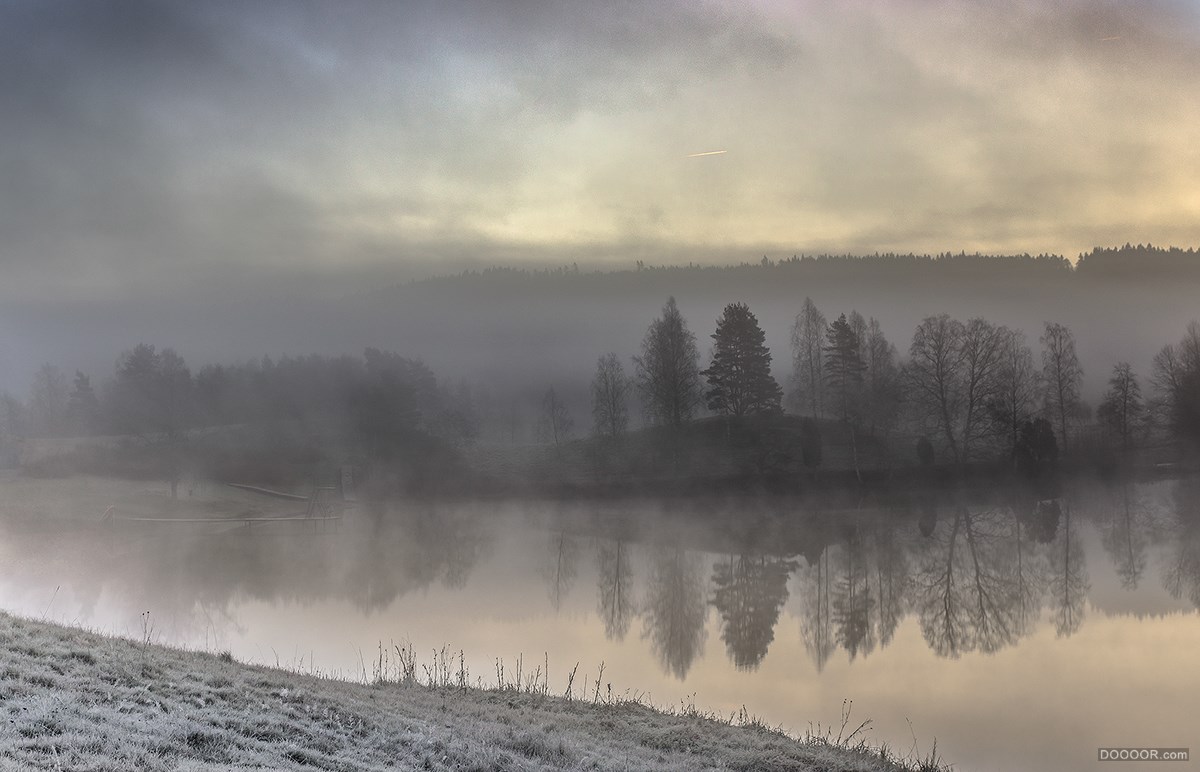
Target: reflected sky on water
(1019, 631)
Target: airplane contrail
(1114, 37)
(710, 152)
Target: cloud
(151, 147)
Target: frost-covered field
(74, 700)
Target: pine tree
(844, 369)
(739, 378)
(83, 409)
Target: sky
(164, 146)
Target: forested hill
(525, 329)
(1140, 263)
(1145, 263)
(1124, 303)
(882, 269)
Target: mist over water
(768, 355)
(1020, 633)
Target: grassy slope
(74, 700)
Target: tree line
(966, 391)
(378, 407)
(1141, 261)
(970, 390)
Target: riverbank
(72, 699)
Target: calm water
(1019, 634)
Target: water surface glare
(1019, 633)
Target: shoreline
(75, 699)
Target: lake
(1018, 630)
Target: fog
(230, 181)
(989, 601)
(524, 332)
(784, 352)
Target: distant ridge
(1143, 261)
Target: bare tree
(882, 391)
(1017, 390)
(610, 391)
(934, 374)
(556, 423)
(12, 425)
(1174, 367)
(983, 347)
(808, 340)
(858, 324)
(48, 401)
(668, 371)
(955, 375)
(1166, 378)
(1122, 407)
(1061, 374)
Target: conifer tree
(844, 369)
(739, 378)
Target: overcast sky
(160, 145)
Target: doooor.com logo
(1144, 754)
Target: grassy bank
(71, 699)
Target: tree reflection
(675, 610)
(1181, 571)
(1124, 538)
(561, 567)
(1030, 577)
(816, 624)
(891, 581)
(978, 581)
(615, 602)
(410, 550)
(749, 593)
(1068, 576)
(852, 600)
(968, 593)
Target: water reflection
(1068, 577)
(838, 599)
(560, 567)
(749, 592)
(975, 577)
(675, 608)
(815, 623)
(1181, 572)
(1125, 538)
(615, 598)
(964, 589)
